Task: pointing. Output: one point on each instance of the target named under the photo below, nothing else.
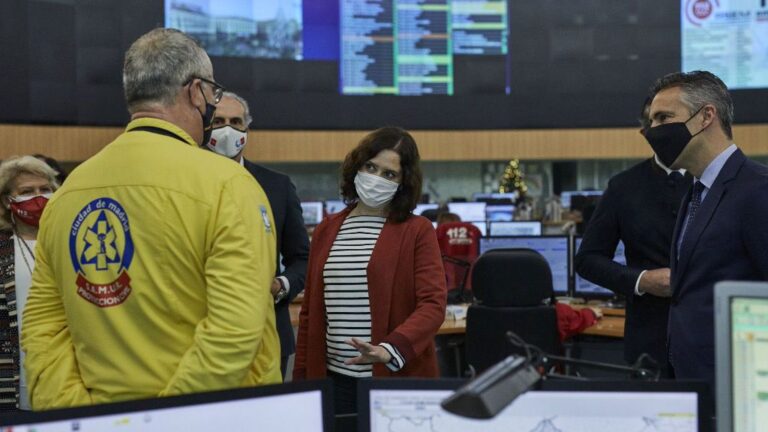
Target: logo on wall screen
(101, 250)
(697, 11)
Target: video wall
(727, 37)
(420, 64)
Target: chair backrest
(486, 340)
(512, 285)
(459, 241)
(512, 277)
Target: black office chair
(512, 286)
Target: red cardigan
(406, 286)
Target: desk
(611, 325)
(608, 326)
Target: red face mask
(28, 209)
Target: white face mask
(227, 141)
(374, 191)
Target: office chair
(460, 245)
(511, 286)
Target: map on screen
(539, 411)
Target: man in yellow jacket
(154, 261)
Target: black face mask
(669, 140)
(210, 109)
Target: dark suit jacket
(727, 240)
(292, 243)
(639, 208)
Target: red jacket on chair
(406, 287)
(459, 240)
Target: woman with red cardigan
(375, 293)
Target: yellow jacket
(152, 275)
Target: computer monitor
(587, 289)
(553, 405)
(516, 228)
(741, 341)
(499, 213)
(566, 196)
(468, 211)
(312, 212)
(334, 206)
(496, 197)
(482, 226)
(553, 248)
(303, 406)
(421, 207)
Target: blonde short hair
(10, 169)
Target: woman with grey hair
(26, 184)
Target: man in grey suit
(720, 232)
(229, 138)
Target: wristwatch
(282, 292)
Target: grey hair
(158, 63)
(243, 102)
(10, 169)
(698, 89)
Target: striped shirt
(347, 304)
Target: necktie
(698, 188)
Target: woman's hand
(368, 353)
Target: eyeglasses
(218, 89)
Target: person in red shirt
(460, 246)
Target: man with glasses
(154, 262)
(229, 138)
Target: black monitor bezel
(584, 193)
(701, 388)
(568, 253)
(21, 418)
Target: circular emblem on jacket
(101, 250)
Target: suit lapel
(381, 276)
(706, 211)
(251, 168)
